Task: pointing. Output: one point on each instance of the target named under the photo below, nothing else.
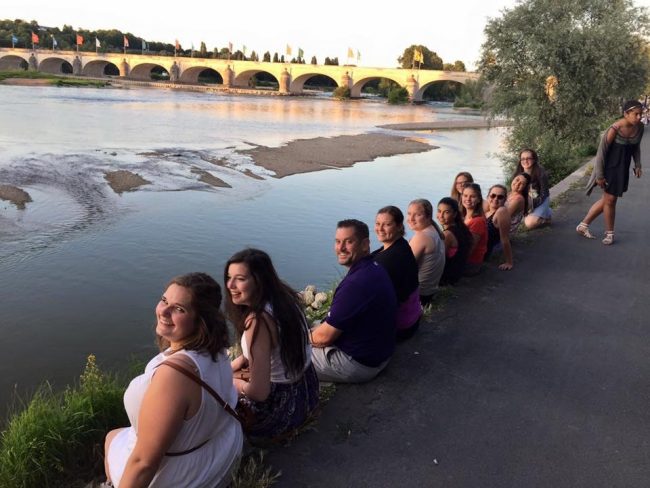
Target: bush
(398, 95)
(58, 439)
(341, 92)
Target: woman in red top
(472, 208)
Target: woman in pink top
(472, 208)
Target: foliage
(431, 59)
(559, 71)
(445, 91)
(253, 473)
(313, 60)
(398, 95)
(471, 94)
(456, 66)
(341, 92)
(58, 438)
(331, 61)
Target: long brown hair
(470, 179)
(478, 210)
(212, 330)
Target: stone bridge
(291, 77)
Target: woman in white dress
(180, 435)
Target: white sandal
(583, 230)
(608, 240)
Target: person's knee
(531, 221)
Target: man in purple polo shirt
(356, 340)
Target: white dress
(211, 464)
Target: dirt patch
(15, 195)
(210, 179)
(26, 82)
(122, 180)
(305, 155)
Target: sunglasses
(497, 196)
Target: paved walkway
(537, 377)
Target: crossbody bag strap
(209, 389)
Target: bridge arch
(298, 84)
(355, 90)
(246, 79)
(13, 62)
(55, 65)
(419, 94)
(194, 75)
(100, 68)
(148, 72)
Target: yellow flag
(418, 57)
(350, 53)
(288, 50)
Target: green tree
(456, 66)
(203, 50)
(431, 59)
(276, 58)
(313, 60)
(267, 57)
(398, 95)
(558, 71)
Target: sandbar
(15, 195)
(210, 179)
(449, 124)
(122, 180)
(306, 155)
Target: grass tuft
(254, 473)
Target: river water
(81, 268)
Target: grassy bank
(52, 79)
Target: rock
(308, 297)
(321, 296)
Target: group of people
(191, 407)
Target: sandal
(608, 240)
(583, 230)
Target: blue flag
(54, 43)
(14, 39)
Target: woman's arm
(515, 204)
(164, 407)
(418, 245)
(450, 240)
(502, 221)
(259, 361)
(238, 363)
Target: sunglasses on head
(497, 196)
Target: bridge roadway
(236, 74)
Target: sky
(453, 29)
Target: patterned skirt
(287, 407)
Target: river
(81, 268)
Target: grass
(57, 440)
(254, 473)
(54, 79)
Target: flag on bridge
(350, 53)
(97, 43)
(358, 56)
(54, 43)
(230, 47)
(288, 50)
(80, 40)
(177, 46)
(418, 57)
(126, 42)
(144, 45)
(244, 50)
(14, 40)
(301, 53)
(34, 38)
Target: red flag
(34, 38)
(126, 42)
(178, 46)
(80, 40)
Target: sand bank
(449, 124)
(15, 195)
(27, 81)
(210, 179)
(305, 155)
(121, 181)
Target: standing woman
(459, 182)
(428, 248)
(539, 189)
(498, 225)
(458, 240)
(396, 257)
(180, 435)
(618, 146)
(282, 389)
(474, 218)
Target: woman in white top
(274, 375)
(428, 246)
(179, 434)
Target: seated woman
(280, 388)
(518, 201)
(427, 246)
(539, 189)
(474, 219)
(498, 225)
(459, 183)
(397, 259)
(180, 433)
(458, 240)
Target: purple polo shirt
(364, 308)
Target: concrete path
(536, 377)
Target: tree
(254, 56)
(313, 60)
(431, 59)
(276, 59)
(456, 66)
(267, 57)
(559, 70)
(203, 50)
